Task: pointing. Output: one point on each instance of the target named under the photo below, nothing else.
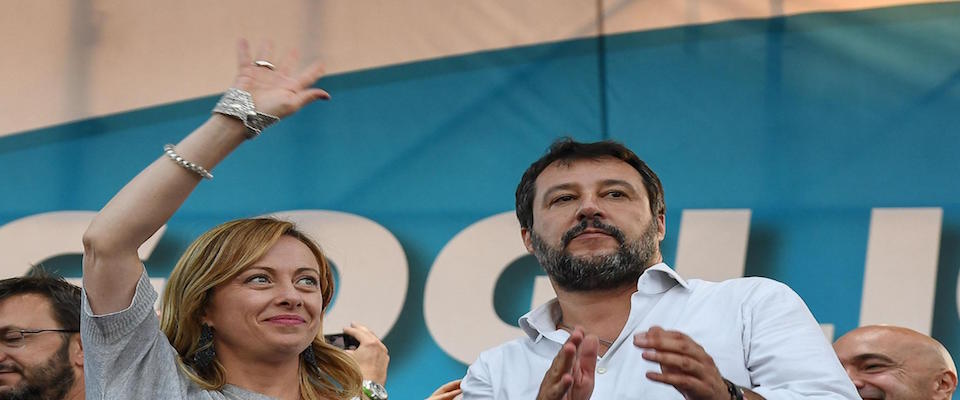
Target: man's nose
(589, 208)
(855, 377)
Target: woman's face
(271, 310)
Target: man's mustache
(8, 367)
(592, 223)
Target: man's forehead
(891, 343)
(588, 169)
(26, 310)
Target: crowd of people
(242, 312)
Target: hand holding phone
(342, 341)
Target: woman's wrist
(238, 103)
(377, 377)
(230, 129)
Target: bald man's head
(894, 363)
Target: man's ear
(946, 384)
(527, 242)
(661, 226)
(76, 351)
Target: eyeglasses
(14, 338)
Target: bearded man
(41, 356)
(624, 325)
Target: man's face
(592, 226)
(887, 364)
(40, 368)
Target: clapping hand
(684, 364)
(571, 375)
(448, 391)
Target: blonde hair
(215, 258)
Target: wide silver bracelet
(172, 154)
(239, 104)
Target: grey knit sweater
(126, 356)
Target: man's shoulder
(512, 369)
(506, 350)
(740, 292)
(746, 285)
(519, 351)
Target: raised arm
(111, 265)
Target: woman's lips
(287, 320)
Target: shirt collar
(658, 279)
(543, 319)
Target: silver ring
(265, 64)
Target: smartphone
(342, 340)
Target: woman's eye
(308, 280)
(258, 279)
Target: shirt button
(601, 370)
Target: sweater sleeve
(126, 356)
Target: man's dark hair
(566, 151)
(64, 298)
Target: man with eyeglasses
(41, 357)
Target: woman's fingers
(265, 51)
(309, 75)
(243, 53)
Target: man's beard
(50, 381)
(607, 271)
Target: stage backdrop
(815, 144)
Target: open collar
(542, 321)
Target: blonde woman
(243, 309)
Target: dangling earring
(310, 357)
(205, 354)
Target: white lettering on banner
(30, 240)
(828, 331)
(157, 284)
(712, 244)
(371, 263)
(457, 306)
(542, 291)
(901, 258)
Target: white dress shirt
(758, 331)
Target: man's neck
(76, 392)
(602, 313)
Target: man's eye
(616, 194)
(12, 337)
(562, 199)
(873, 367)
